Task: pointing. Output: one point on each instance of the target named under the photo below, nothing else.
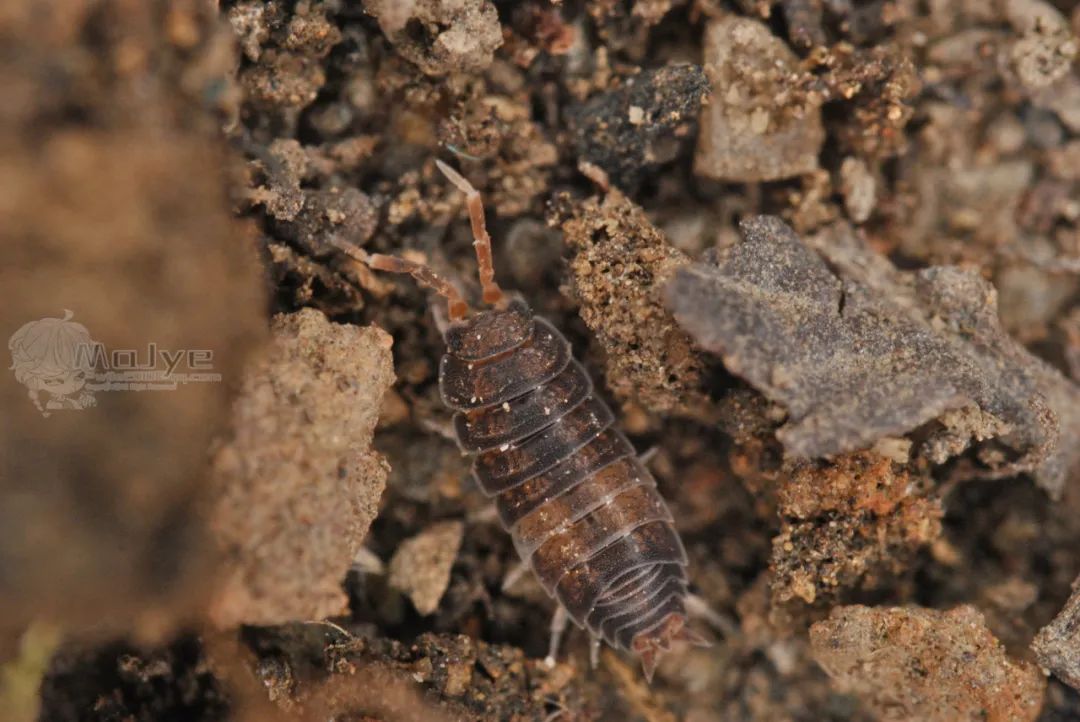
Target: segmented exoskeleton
(583, 511)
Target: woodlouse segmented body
(583, 511)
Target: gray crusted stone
(857, 350)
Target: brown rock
(421, 565)
(758, 126)
(458, 35)
(910, 663)
(1057, 645)
(299, 484)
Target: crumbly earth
(421, 565)
(182, 172)
(298, 449)
(759, 124)
(1056, 645)
(856, 522)
(912, 663)
(122, 681)
(621, 262)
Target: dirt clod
(641, 124)
(759, 125)
(440, 36)
(856, 522)
(1057, 646)
(421, 565)
(299, 453)
(911, 663)
(1045, 48)
(872, 93)
(620, 264)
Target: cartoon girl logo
(54, 357)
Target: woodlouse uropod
(582, 509)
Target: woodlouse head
(489, 333)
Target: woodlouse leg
(457, 309)
(485, 515)
(439, 315)
(558, 625)
(699, 609)
(648, 455)
(442, 427)
(520, 569)
(594, 652)
(481, 239)
(366, 561)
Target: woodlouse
(582, 509)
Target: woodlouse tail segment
(492, 294)
(457, 308)
(653, 644)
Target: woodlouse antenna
(457, 309)
(481, 240)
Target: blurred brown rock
(910, 663)
(114, 206)
(458, 35)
